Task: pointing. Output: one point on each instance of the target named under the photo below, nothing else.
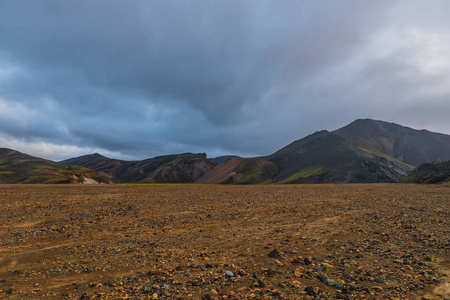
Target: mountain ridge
(408, 145)
(17, 167)
(174, 168)
(363, 151)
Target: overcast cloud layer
(136, 79)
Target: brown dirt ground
(366, 241)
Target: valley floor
(366, 241)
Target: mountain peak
(366, 126)
(92, 156)
(403, 143)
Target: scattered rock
(229, 273)
(322, 278)
(364, 249)
(274, 253)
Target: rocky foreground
(377, 241)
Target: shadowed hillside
(434, 172)
(179, 168)
(363, 151)
(325, 157)
(408, 145)
(16, 167)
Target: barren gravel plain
(365, 241)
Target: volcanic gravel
(365, 241)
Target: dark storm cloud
(144, 78)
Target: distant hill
(112, 167)
(434, 172)
(241, 171)
(221, 159)
(363, 151)
(17, 167)
(178, 168)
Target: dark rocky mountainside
(434, 172)
(325, 157)
(178, 168)
(17, 167)
(363, 151)
(408, 145)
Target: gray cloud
(144, 78)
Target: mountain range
(178, 168)
(364, 151)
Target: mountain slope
(241, 171)
(112, 167)
(179, 168)
(322, 157)
(408, 145)
(434, 172)
(325, 157)
(363, 151)
(17, 167)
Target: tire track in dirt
(7, 264)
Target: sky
(138, 79)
